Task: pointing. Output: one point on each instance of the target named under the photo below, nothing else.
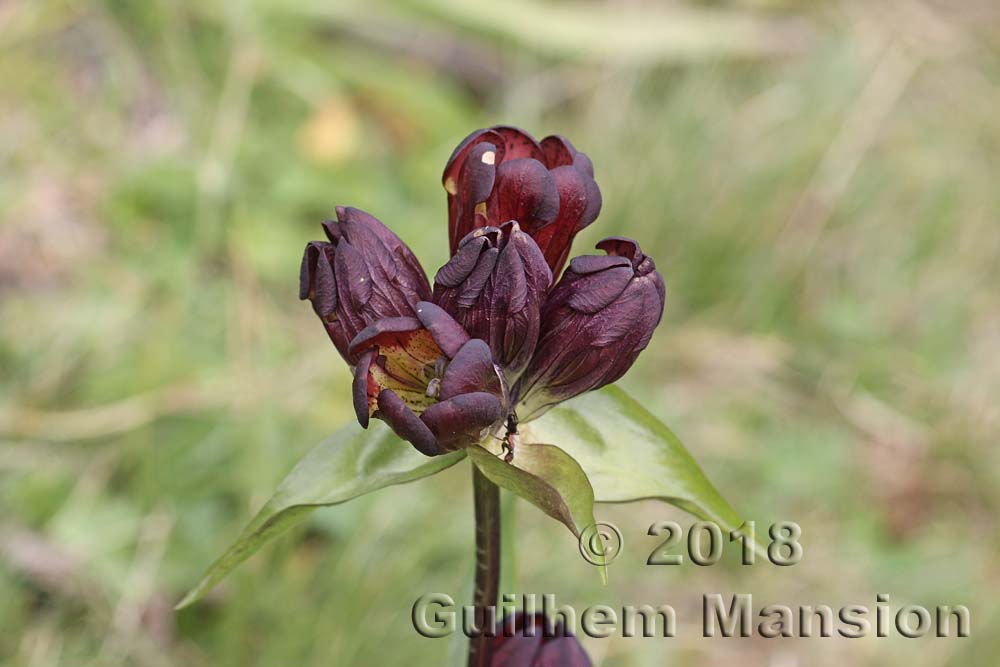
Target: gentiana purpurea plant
(495, 343)
(501, 360)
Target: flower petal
(500, 300)
(620, 246)
(405, 423)
(363, 393)
(363, 274)
(478, 173)
(559, 152)
(579, 205)
(595, 322)
(585, 264)
(595, 291)
(518, 143)
(447, 333)
(462, 262)
(562, 652)
(581, 161)
(354, 281)
(476, 180)
(407, 358)
(384, 332)
(471, 370)
(472, 288)
(451, 169)
(461, 419)
(316, 278)
(525, 192)
(382, 275)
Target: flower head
(361, 275)
(595, 322)
(435, 387)
(501, 173)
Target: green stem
(487, 508)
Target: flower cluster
(494, 339)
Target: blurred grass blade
(596, 32)
(580, 32)
(629, 454)
(348, 464)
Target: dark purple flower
(595, 322)
(434, 385)
(502, 173)
(494, 287)
(414, 366)
(364, 273)
(438, 373)
(533, 644)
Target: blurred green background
(818, 183)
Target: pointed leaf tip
(348, 464)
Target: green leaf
(628, 454)
(348, 464)
(545, 476)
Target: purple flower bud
(502, 173)
(363, 274)
(595, 322)
(494, 287)
(435, 386)
(535, 644)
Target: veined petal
(587, 264)
(354, 283)
(518, 143)
(462, 262)
(407, 352)
(499, 300)
(559, 152)
(446, 332)
(316, 279)
(596, 290)
(471, 289)
(386, 331)
(471, 370)
(595, 322)
(363, 274)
